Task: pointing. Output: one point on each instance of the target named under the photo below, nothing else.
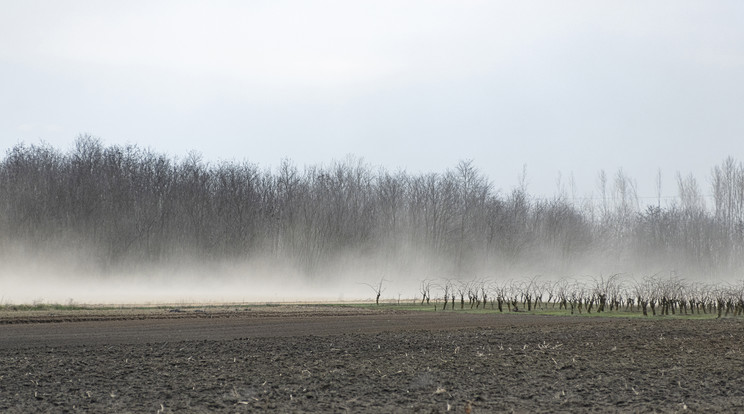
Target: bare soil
(337, 359)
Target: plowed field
(338, 359)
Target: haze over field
(107, 221)
(488, 139)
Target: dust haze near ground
(194, 283)
(76, 281)
(68, 279)
(111, 224)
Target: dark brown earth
(336, 359)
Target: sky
(560, 88)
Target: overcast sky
(567, 87)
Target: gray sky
(567, 87)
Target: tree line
(125, 205)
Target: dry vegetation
(652, 295)
(118, 209)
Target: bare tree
(425, 290)
(378, 289)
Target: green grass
(546, 311)
(406, 305)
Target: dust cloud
(75, 283)
(104, 224)
(73, 279)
